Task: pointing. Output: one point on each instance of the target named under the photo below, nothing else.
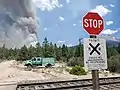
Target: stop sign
(93, 23)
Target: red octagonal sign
(93, 23)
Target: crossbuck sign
(95, 57)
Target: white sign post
(95, 57)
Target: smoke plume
(18, 23)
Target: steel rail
(65, 84)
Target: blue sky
(60, 20)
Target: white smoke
(18, 23)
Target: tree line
(71, 55)
(47, 49)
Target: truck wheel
(34, 66)
(48, 65)
(29, 67)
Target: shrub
(75, 61)
(67, 69)
(114, 63)
(77, 70)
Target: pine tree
(57, 52)
(45, 48)
(64, 51)
(79, 49)
(118, 48)
(51, 50)
(70, 52)
(111, 51)
(38, 50)
(23, 53)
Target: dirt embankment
(12, 71)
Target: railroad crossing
(95, 58)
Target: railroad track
(109, 83)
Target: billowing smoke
(18, 23)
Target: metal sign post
(95, 74)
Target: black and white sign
(95, 56)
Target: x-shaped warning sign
(94, 49)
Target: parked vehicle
(38, 61)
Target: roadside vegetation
(78, 70)
(72, 56)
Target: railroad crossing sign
(93, 23)
(95, 57)
(94, 49)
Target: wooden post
(95, 79)
(95, 74)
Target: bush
(67, 69)
(114, 64)
(75, 61)
(77, 70)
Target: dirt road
(7, 87)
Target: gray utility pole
(80, 40)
